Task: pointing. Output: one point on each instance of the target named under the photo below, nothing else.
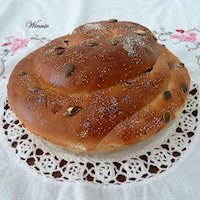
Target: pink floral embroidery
(18, 43)
(12, 45)
(184, 36)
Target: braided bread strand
(106, 86)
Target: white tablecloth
(176, 24)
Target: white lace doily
(138, 163)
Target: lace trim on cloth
(141, 162)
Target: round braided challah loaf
(106, 86)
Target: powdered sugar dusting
(94, 26)
(134, 45)
(83, 134)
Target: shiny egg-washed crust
(123, 85)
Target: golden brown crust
(104, 87)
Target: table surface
(175, 23)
